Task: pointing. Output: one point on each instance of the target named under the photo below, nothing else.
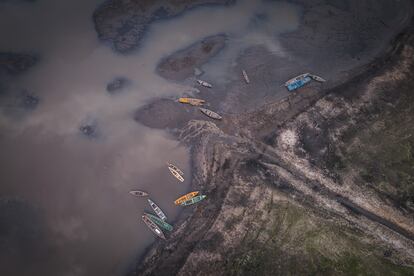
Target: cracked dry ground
(316, 183)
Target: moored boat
(185, 197)
(160, 222)
(176, 174)
(301, 80)
(157, 209)
(298, 81)
(172, 166)
(194, 200)
(138, 193)
(246, 78)
(210, 113)
(153, 227)
(191, 101)
(317, 78)
(204, 83)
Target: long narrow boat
(192, 101)
(160, 222)
(157, 209)
(153, 227)
(317, 78)
(210, 113)
(176, 174)
(138, 193)
(172, 166)
(185, 197)
(204, 83)
(246, 78)
(194, 200)
(298, 81)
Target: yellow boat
(192, 101)
(186, 197)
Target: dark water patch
(124, 24)
(117, 85)
(89, 130)
(16, 63)
(18, 105)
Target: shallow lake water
(64, 196)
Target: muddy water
(78, 186)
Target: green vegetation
(296, 242)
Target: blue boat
(298, 83)
(301, 80)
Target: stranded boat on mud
(160, 222)
(185, 197)
(153, 227)
(193, 200)
(210, 113)
(157, 209)
(192, 101)
(301, 80)
(172, 166)
(246, 78)
(204, 83)
(138, 193)
(176, 173)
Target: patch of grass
(301, 244)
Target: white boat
(246, 78)
(153, 227)
(138, 193)
(204, 83)
(172, 166)
(176, 174)
(317, 78)
(157, 209)
(210, 113)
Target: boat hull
(176, 174)
(204, 83)
(160, 222)
(210, 113)
(191, 101)
(172, 166)
(185, 197)
(246, 78)
(153, 227)
(193, 200)
(298, 83)
(157, 210)
(138, 193)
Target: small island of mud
(182, 64)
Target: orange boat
(192, 101)
(185, 198)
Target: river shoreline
(156, 258)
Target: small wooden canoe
(138, 193)
(185, 197)
(160, 222)
(194, 200)
(176, 174)
(172, 166)
(157, 209)
(153, 227)
(210, 113)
